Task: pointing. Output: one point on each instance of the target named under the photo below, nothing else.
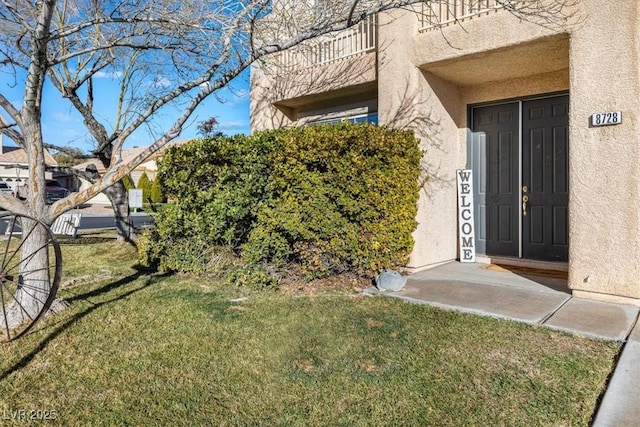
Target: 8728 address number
(608, 118)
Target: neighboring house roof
(95, 162)
(128, 155)
(18, 155)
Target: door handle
(525, 199)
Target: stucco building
(514, 98)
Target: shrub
(329, 198)
(128, 182)
(344, 198)
(156, 192)
(144, 184)
(196, 255)
(217, 185)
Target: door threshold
(521, 262)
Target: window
(361, 118)
(368, 118)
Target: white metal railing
(443, 12)
(353, 41)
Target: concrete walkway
(544, 301)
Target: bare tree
(162, 55)
(208, 128)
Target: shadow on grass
(140, 271)
(65, 324)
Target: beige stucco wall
(262, 109)
(604, 251)
(280, 99)
(426, 80)
(406, 99)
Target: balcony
(354, 41)
(441, 13)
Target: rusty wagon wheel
(30, 271)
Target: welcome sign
(465, 216)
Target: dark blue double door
(519, 157)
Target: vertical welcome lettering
(465, 216)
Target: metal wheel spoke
(17, 250)
(26, 272)
(28, 259)
(4, 313)
(37, 289)
(6, 249)
(29, 278)
(32, 296)
(13, 297)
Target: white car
(6, 189)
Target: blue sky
(62, 126)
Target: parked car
(54, 191)
(6, 189)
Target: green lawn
(138, 349)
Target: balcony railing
(439, 13)
(353, 41)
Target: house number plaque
(607, 118)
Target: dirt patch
(305, 365)
(296, 283)
(368, 365)
(374, 323)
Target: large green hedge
(327, 198)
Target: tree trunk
(119, 199)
